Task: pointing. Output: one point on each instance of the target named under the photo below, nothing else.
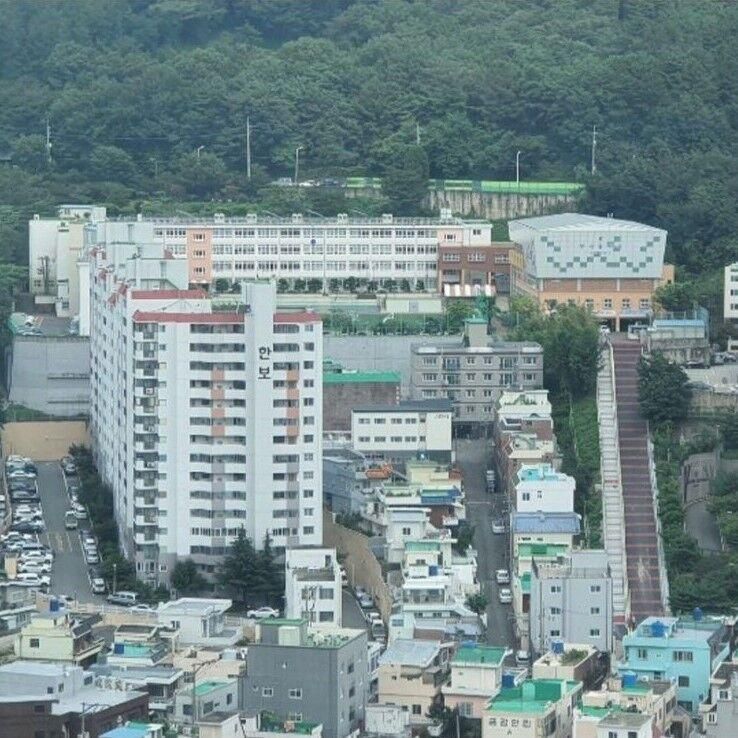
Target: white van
(127, 599)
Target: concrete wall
(50, 374)
(360, 563)
(44, 441)
(379, 353)
(339, 399)
(487, 204)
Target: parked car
(366, 601)
(498, 526)
(28, 527)
(142, 608)
(504, 596)
(33, 580)
(98, 586)
(522, 658)
(261, 613)
(502, 576)
(24, 496)
(92, 557)
(39, 556)
(127, 599)
(35, 567)
(80, 511)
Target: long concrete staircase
(643, 552)
(613, 515)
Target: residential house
(56, 635)
(282, 669)
(411, 674)
(719, 712)
(313, 585)
(687, 650)
(542, 489)
(575, 662)
(208, 696)
(476, 677)
(200, 621)
(537, 707)
(408, 430)
(56, 699)
(571, 600)
(556, 528)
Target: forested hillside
(132, 88)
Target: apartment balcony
(146, 520)
(144, 392)
(145, 446)
(145, 500)
(145, 536)
(152, 466)
(144, 355)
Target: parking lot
(69, 573)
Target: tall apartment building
(205, 417)
(475, 372)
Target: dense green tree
(477, 602)
(663, 389)
(239, 571)
(186, 579)
(405, 178)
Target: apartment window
(267, 692)
(325, 616)
(417, 710)
(33, 643)
(644, 303)
(525, 496)
(594, 610)
(555, 611)
(555, 633)
(642, 653)
(555, 589)
(594, 633)
(626, 303)
(198, 237)
(723, 694)
(683, 681)
(406, 531)
(325, 593)
(295, 693)
(307, 530)
(682, 656)
(595, 588)
(612, 734)
(607, 302)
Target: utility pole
(594, 149)
(417, 133)
(248, 148)
(517, 167)
(48, 139)
(297, 162)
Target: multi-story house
(719, 713)
(474, 265)
(474, 373)
(408, 430)
(412, 673)
(476, 677)
(730, 291)
(56, 635)
(571, 600)
(184, 389)
(313, 585)
(199, 621)
(299, 673)
(541, 488)
(687, 650)
(537, 707)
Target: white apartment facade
(203, 421)
(730, 292)
(540, 488)
(411, 429)
(312, 586)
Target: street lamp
(198, 150)
(517, 167)
(115, 576)
(297, 161)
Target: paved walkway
(701, 524)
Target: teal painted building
(685, 650)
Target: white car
(38, 557)
(502, 576)
(31, 579)
(142, 608)
(262, 613)
(505, 596)
(498, 527)
(34, 567)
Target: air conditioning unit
(342, 217)
(148, 390)
(219, 217)
(251, 217)
(297, 217)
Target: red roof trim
(168, 294)
(148, 317)
(304, 317)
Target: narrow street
(492, 550)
